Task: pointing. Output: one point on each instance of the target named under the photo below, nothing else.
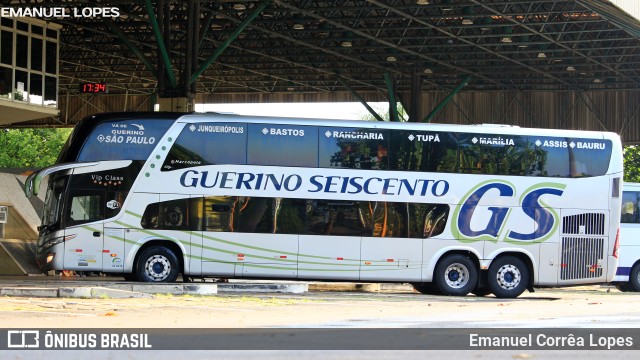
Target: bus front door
(84, 232)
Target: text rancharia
(358, 135)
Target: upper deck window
(568, 157)
(282, 145)
(354, 148)
(424, 151)
(208, 144)
(123, 140)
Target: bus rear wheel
(157, 264)
(456, 275)
(508, 277)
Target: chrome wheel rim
(157, 268)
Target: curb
(29, 292)
(360, 287)
(141, 290)
(99, 292)
(295, 288)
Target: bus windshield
(51, 219)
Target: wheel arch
(471, 253)
(525, 257)
(171, 245)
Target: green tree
(31, 148)
(632, 163)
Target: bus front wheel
(157, 264)
(456, 275)
(508, 277)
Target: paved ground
(584, 307)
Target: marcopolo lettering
(545, 219)
(314, 184)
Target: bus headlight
(50, 257)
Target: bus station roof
(267, 50)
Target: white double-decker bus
(451, 209)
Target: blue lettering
(329, 183)
(543, 218)
(315, 183)
(225, 179)
(258, 181)
(345, 182)
(287, 182)
(366, 186)
(498, 214)
(242, 182)
(405, 183)
(194, 180)
(353, 182)
(445, 188)
(273, 180)
(386, 186)
(425, 187)
(203, 180)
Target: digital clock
(93, 88)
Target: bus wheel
(456, 275)
(157, 264)
(427, 288)
(624, 287)
(634, 278)
(508, 277)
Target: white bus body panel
(391, 259)
(83, 250)
(329, 257)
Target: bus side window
(85, 206)
(174, 215)
(220, 213)
(391, 220)
(630, 207)
(339, 218)
(150, 217)
(428, 220)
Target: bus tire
(157, 264)
(456, 275)
(427, 288)
(634, 278)
(508, 277)
(624, 287)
